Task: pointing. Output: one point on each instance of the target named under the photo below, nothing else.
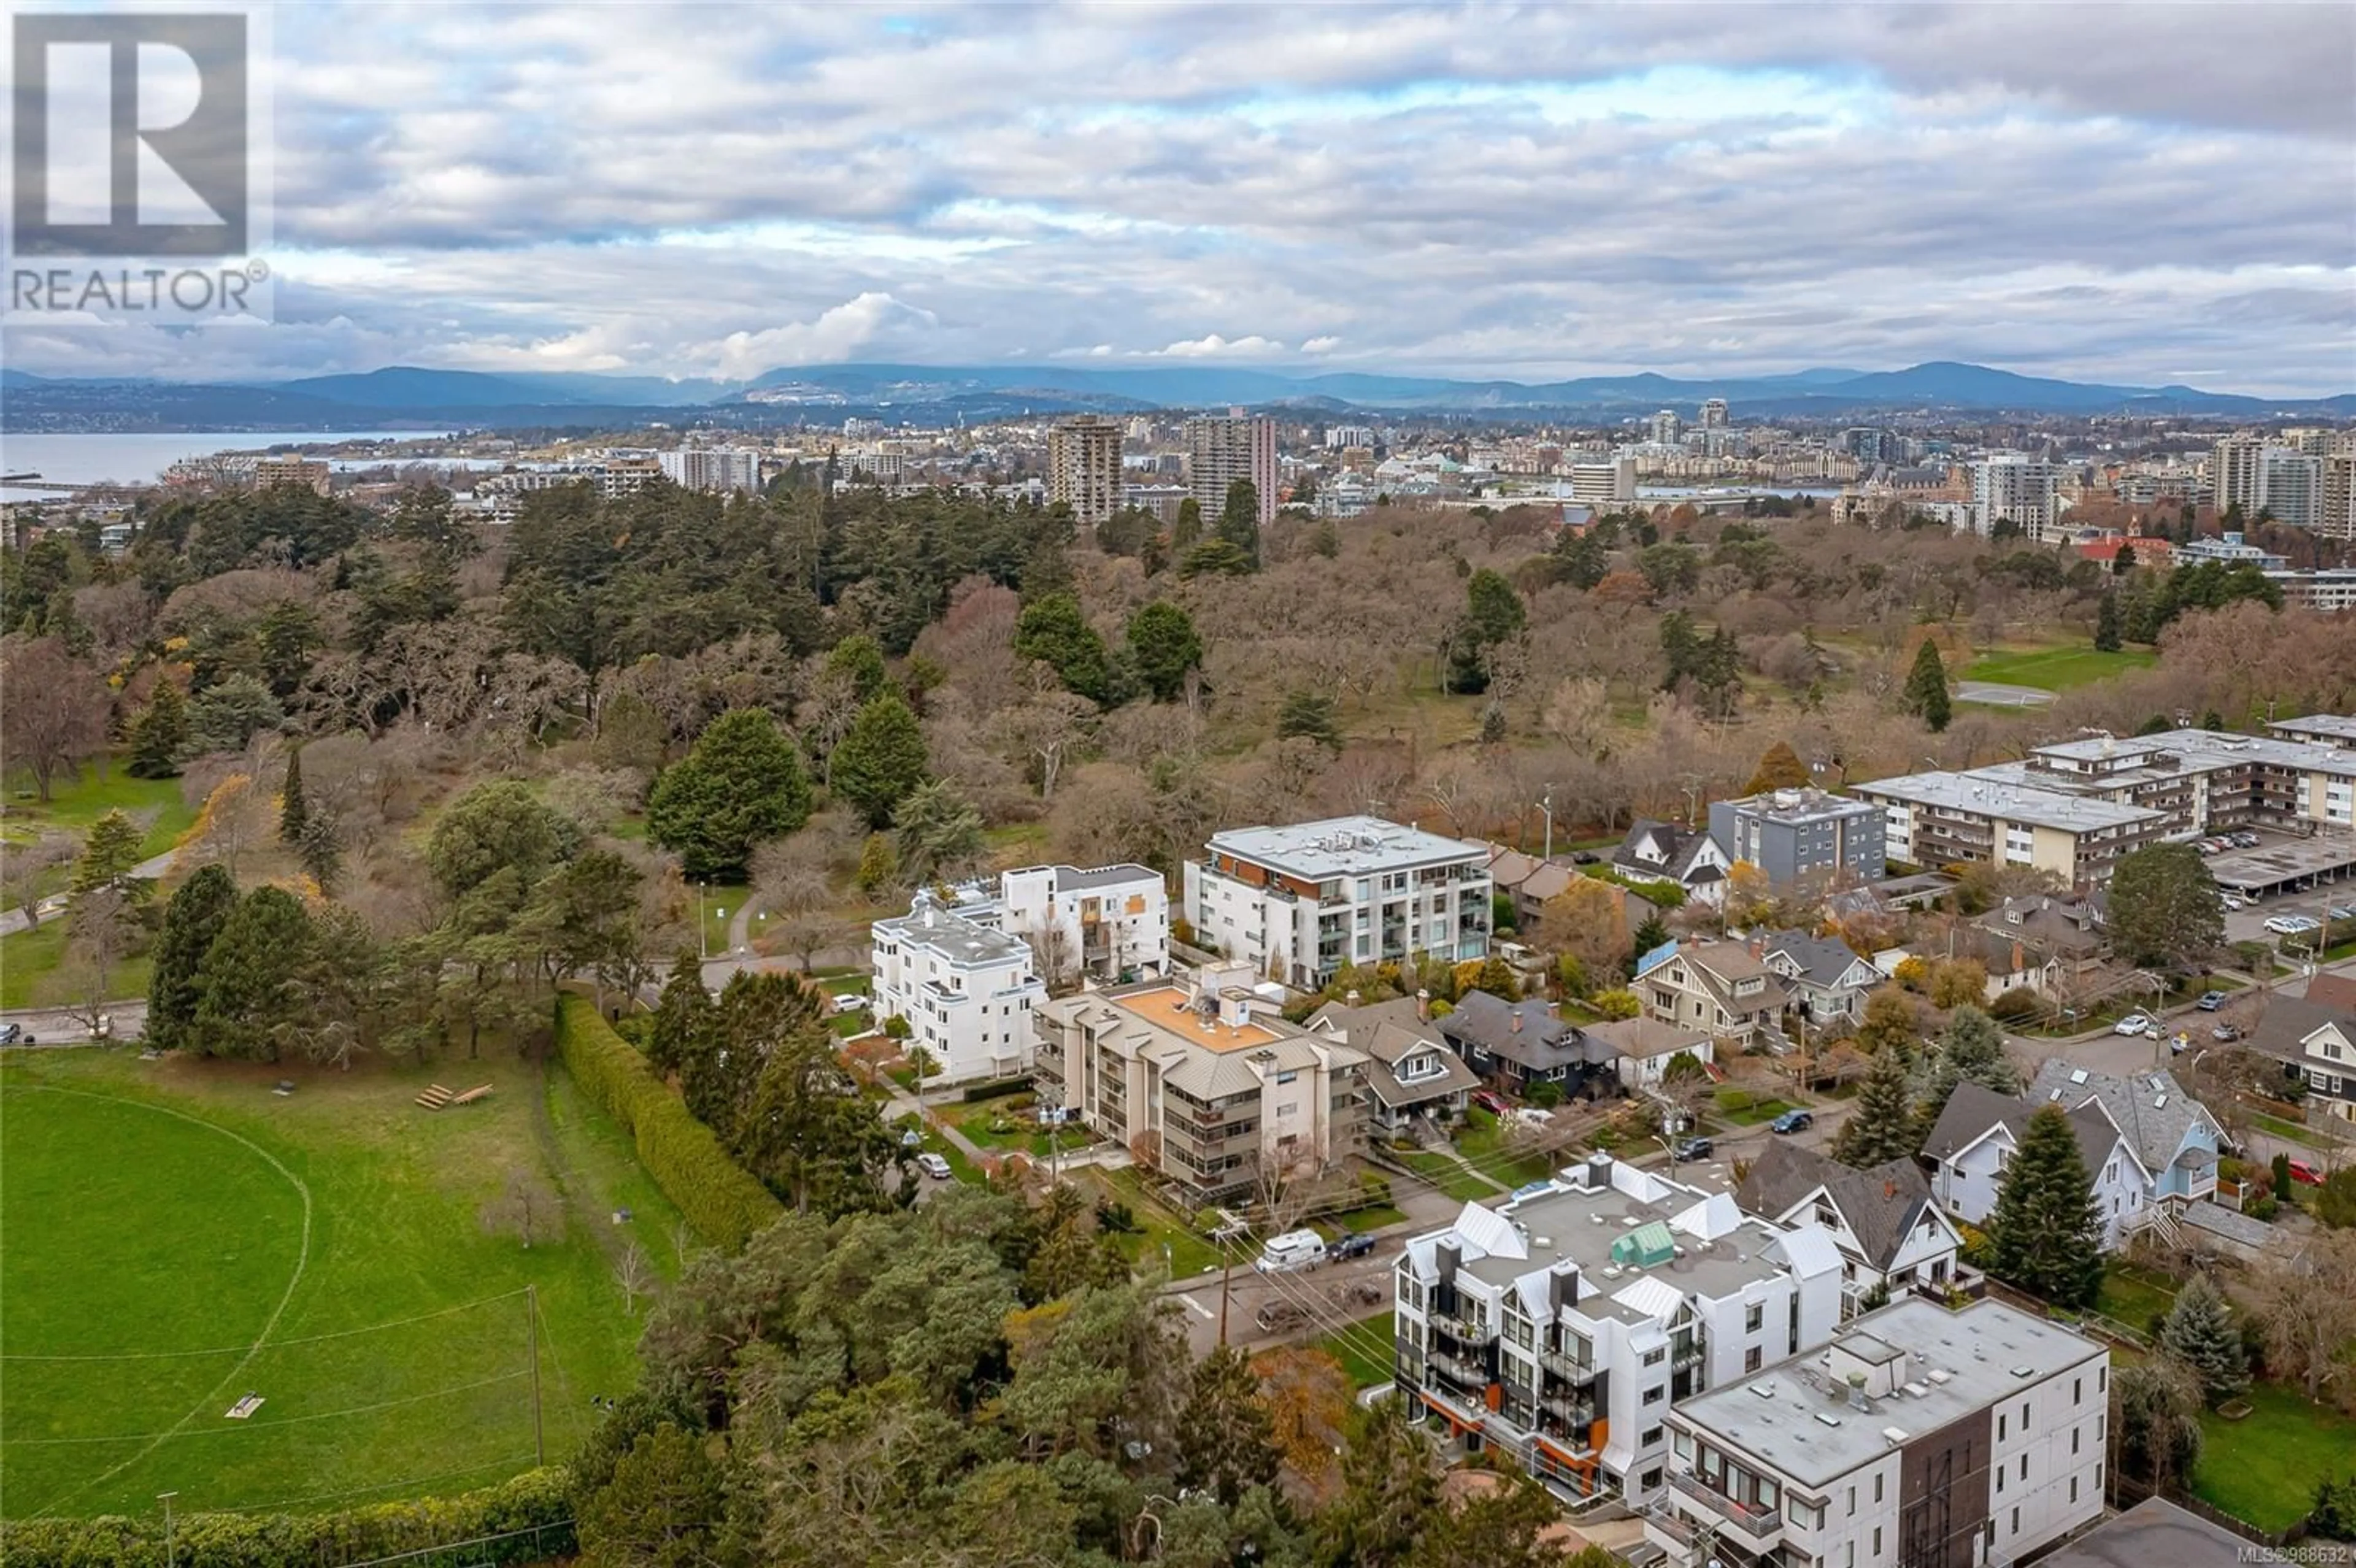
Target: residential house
(1201, 1082)
(964, 990)
(1664, 851)
(1720, 986)
(1529, 880)
(1922, 1438)
(1891, 1236)
(1560, 1329)
(1410, 1069)
(1827, 983)
(2316, 1043)
(1645, 1046)
(2043, 941)
(1518, 1046)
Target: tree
(2334, 1517)
(2156, 1408)
(193, 918)
(1239, 521)
(2335, 1201)
(160, 734)
(1588, 921)
(1165, 648)
(1926, 688)
(293, 811)
(1307, 715)
(1389, 1495)
(524, 1208)
(665, 1507)
(1493, 613)
(2106, 625)
(1226, 1438)
(858, 659)
(2164, 907)
(742, 783)
(2305, 1306)
(878, 865)
(1051, 630)
(57, 710)
(109, 856)
(321, 850)
(1972, 1050)
(1884, 1126)
(1649, 935)
(880, 760)
(939, 833)
(1891, 1025)
(27, 870)
(2046, 1232)
(1778, 768)
(2199, 1332)
(684, 1019)
(249, 1001)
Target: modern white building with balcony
(1561, 1328)
(966, 989)
(1300, 903)
(1920, 1437)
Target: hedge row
(723, 1203)
(527, 1519)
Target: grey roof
(2015, 803)
(1343, 847)
(1072, 880)
(957, 939)
(1644, 1036)
(1387, 1039)
(2153, 1111)
(1975, 1110)
(1821, 960)
(1542, 1041)
(1807, 804)
(1680, 843)
(1883, 1205)
(2056, 926)
(2220, 1220)
(2288, 1021)
(1984, 1350)
(2154, 1533)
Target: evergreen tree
(2046, 1232)
(1778, 768)
(2199, 1332)
(859, 658)
(1308, 716)
(159, 735)
(1579, 559)
(1389, 1495)
(1053, 630)
(2106, 625)
(741, 784)
(880, 760)
(1882, 1126)
(1188, 531)
(1649, 935)
(193, 918)
(109, 856)
(249, 1000)
(1239, 521)
(877, 864)
(293, 811)
(684, 1016)
(1226, 1440)
(1926, 688)
(1164, 645)
(1493, 613)
(937, 832)
(1971, 1050)
(321, 850)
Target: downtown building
(1223, 449)
(1922, 1437)
(1084, 469)
(1562, 1330)
(2012, 488)
(724, 468)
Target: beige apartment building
(1083, 467)
(1202, 1080)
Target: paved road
(1998, 695)
(14, 921)
(56, 1026)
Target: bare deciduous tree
(57, 710)
(525, 1209)
(27, 869)
(635, 1274)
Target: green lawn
(28, 965)
(1190, 1252)
(2134, 1296)
(178, 1236)
(1364, 1350)
(998, 1124)
(73, 807)
(2291, 1131)
(1745, 1109)
(1485, 1145)
(721, 902)
(2057, 669)
(1447, 1174)
(1370, 1219)
(2263, 1467)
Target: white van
(1292, 1250)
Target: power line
(274, 1344)
(380, 1487)
(270, 1425)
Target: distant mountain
(411, 397)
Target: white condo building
(1921, 1438)
(1299, 902)
(1605, 485)
(1110, 923)
(712, 467)
(1562, 1328)
(966, 989)
(1221, 450)
(2010, 487)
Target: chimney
(1423, 1004)
(1518, 1020)
(1857, 1392)
(1351, 999)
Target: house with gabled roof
(1891, 1235)
(2041, 941)
(1666, 852)
(1410, 1071)
(2316, 1043)
(1517, 1046)
(1827, 980)
(1722, 987)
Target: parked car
(1276, 1317)
(1693, 1149)
(2233, 900)
(934, 1166)
(2343, 911)
(1292, 1250)
(2245, 840)
(2225, 1033)
(2211, 1001)
(2134, 1024)
(2304, 1174)
(1792, 1122)
(11, 1033)
(1494, 1103)
(1356, 1245)
(2292, 924)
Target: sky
(2139, 194)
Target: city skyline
(2082, 193)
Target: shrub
(527, 1519)
(1622, 1004)
(723, 1203)
(994, 1089)
(2016, 1006)
(1373, 1190)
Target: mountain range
(409, 397)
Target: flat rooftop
(954, 938)
(2284, 860)
(2154, 1533)
(1171, 1008)
(1794, 1415)
(1343, 847)
(2206, 749)
(1072, 878)
(2000, 797)
(2338, 726)
(1800, 806)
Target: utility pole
(531, 1334)
(165, 1499)
(1226, 1273)
(701, 940)
(1546, 806)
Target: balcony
(1576, 1373)
(1468, 1330)
(1756, 1529)
(1687, 1358)
(1455, 1370)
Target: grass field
(2134, 1296)
(73, 807)
(2057, 669)
(178, 1236)
(28, 965)
(2265, 1466)
(1364, 1350)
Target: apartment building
(2257, 475)
(306, 473)
(1562, 1329)
(724, 468)
(966, 989)
(1110, 923)
(1714, 414)
(1221, 450)
(1084, 470)
(1919, 1438)
(1202, 1080)
(1947, 818)
(1791, 834)
(2010, 487)
(1606, 486)
(1299, 902)
(2336, 514)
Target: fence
(2129, 1493)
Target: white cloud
(1214, 347)
(837, 334)
(1321, 344)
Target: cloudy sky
(2141, 194)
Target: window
(2073, 1489)
(2077, 1390)
(1877, 1492)
(2000, 1426)
(1652, 1438)
(1684, 1445)
(1751, 1359)
(1852, 1502)
(1876, 1542)
(1654, 1358)
(2015, 1521)
(1655, 1394)
(1999, 1479)
(2073, 1440)
(1754, 1319)
(1650, 1480)
(2102, 1380)
(2024, 1417)
(1852, 1555)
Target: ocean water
(140, 459)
